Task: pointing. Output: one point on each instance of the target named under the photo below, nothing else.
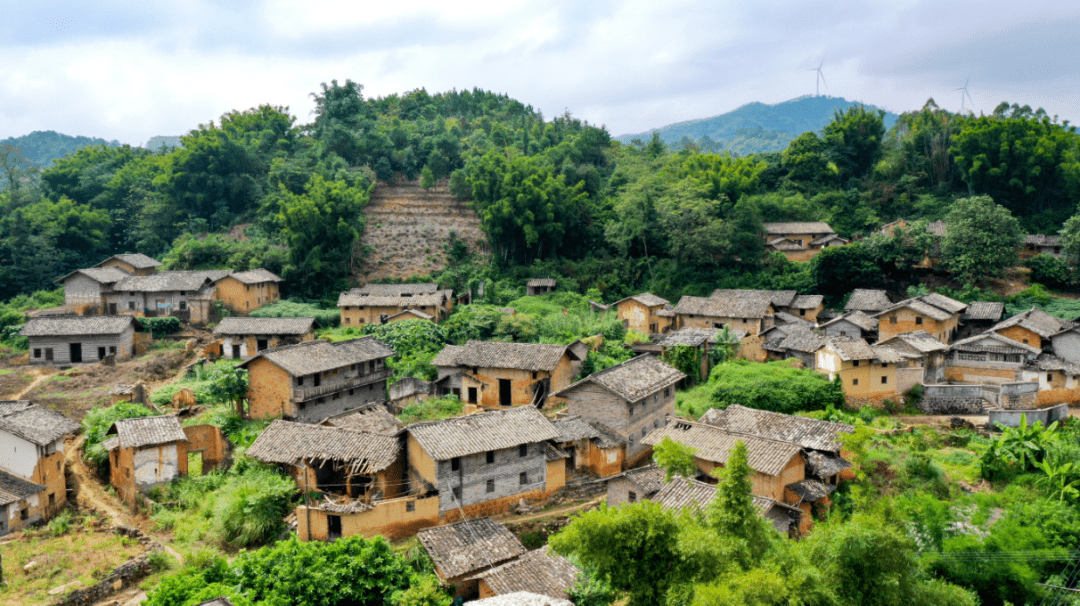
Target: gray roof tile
(632, 380)
(373, 418)
(294, 443)
(520, 598)
(171, 281)
(805, 432)
(724, 308)
(475, 433)
(536, 571)
(856, 317)
(541, 282)
(256, 276)
(714, 445)
(798, 227)
(574, 428)
(147, 431)
(469, 546)
(920, 340)
(14, 488)
(394, 290)
(496, 354)
(103, 275)
(33, 422)
(76, 326)
(779, 298)
(311, 357)
(647, 299)
(984, 310)
(650, 479)
(236, 325)
(1035, 320)
(136, 260)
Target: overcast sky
(129, 70)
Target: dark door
(472, 395)
(101, 353)
(76, 353)
(112, 309)
(333, 527)
(318, 379)
(261, 344)
(505, 397)
(236, 351)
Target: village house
(370, 418)
(538, 571)
(65, 340)
(145, 453)
(988, 359)
(188, 295)
(135, 264)
(85, 289)
(753, 315)
(799, 241)
(245, 291)
(924, 350)
(854, 324)
(937, 314)
(799, 342)
(410, 314)
(539, 286)
(520, 598)
(590, 447)
(32, 484)
(243, 337)
(631, 399)
(868, 373)
(979, 317)
(868, 301)
(682, 492)
(701, 339)
(1041, 244)
(493, 374)
(645, 313)
(313, 380)
(459, 551)
(376, 303)
(1033, 327)
(635, 485)
(483, 464)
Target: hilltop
(756, 127)
(42, 147)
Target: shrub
(431, 409)
(99, 420)
(250, 509)
(775, 386)
(159, 327)
(288, 308)
(914, 395)
(532, 539)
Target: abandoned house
(590, 447)
(313, 380)
(936, 314)
(684, 492)
(245, 291)
(1041, 244)
(635, 485)
(370, 418)
(631, 399)
(800, 343)
(753, 315)
(924, 350)
(376, 303)
(31, 456)
(243, 337)
(539, 286)
(460, 551)
(645, 313)
(799, 241)
(989, 359)
(482, 464)
(65, 340)
(538, 571)
(701, 339)
(136, 264)
(868, 301)
(187, 295)
(1033, 327)
(493, 375)
(854, 324)
(146, 452)
(979, 317)
(869, 373)
(85, 289)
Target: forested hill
(42, 147)
(755, 127)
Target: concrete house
(631, 399)
(752, 315)
(868, 373)
(243, 337)
(313, 380)
(460, 551)
(146, 452)
(645, 313)
(925, 352)
(1033, 327)
(494, 375)
(375, 303)
(32, 484)
(937, 314)
(136, 264)
(590, 447)
(539, 286)
(868, 301)
(682, 492)
(538, 571)
(855, 324)
(483, 464)
(245, 291)
(65, 340)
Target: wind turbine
(964, 93)
(820, 78)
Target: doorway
(261, 344)
(76, 353)
(333, 527)
(194, 463)
(472, 395)
(236, 352)
(505, 396)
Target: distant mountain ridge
(42, 147)
(755, 127)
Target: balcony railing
(303, 394)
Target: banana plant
(1061, 481)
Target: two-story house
(631, 399)
(65, 340)
(799, 241)
(245, 291)
(645, 313)
(243, 337)
(313, 380)
(937, 314)
(753, 315)
(32, 484)
(494, 374)
(868, 373)
(1033, 327)
(376, 303)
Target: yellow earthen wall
(556, 475)
(50, 472)
(751, 325)
(242, 298)
(486, 382)
(905, 322)
(639, 318)
(605, 462)
(355, 316)
(269, 390)
(389, 518)
(421, 462)
(972, 374)
(869, 376)
(1021, 334)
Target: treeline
(554, 195)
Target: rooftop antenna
(964, 93)
(820, 78)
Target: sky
(129, 70)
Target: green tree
(732, 512)
(805, 160)
(853, 140)
(981, 238)
(675, 458)
(427, 178)
(1070, 239)
(229, 384)
(837, 269)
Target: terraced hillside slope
(408, 228)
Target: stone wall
(1019, 396)
(123, 576)
(952, 399)
(408, 228)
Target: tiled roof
(541, 282)
(536, 571)
(111, 444)
(856, 317)
(802, 340)
(574, 428)
(650, 479)
(412, 312)
(805, 432)
(13, 488)
(171, 281)
(984, 310)
(935, 306)
(647, 299)
(394, 290)
(632, 380)
(552, 453)
(294, 443)
(33, 422)
(942, 302)
(937, 228)
(811, 490)
(76, 326)
(1035, 320)
(789, 318)
(471, 434)
(920, 340)
(864, 299)
(797, 227)
(372, 418)
(723, 308)
(714, 445)
(495, 354)
(783, 244)
(136, 260)
(691, 336)
(1051, 362)
(235, 325)
(608, 437)
(828, 238)
(147, 431)
(520, 598)
(103, 275)
(256, 276)
(468, 546)
(850, 348)
(807, 301)
(681, 492)
(352, 298)
(825, 465)
(1004, 345)
(779, 298)
(311, 357)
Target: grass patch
(59, 378)
(432, 409)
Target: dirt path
(43, 375)
(513, 519)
